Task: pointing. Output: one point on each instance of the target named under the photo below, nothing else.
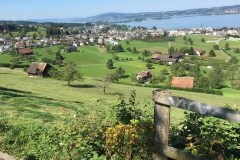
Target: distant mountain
(125, 17)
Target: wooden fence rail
(163, 102)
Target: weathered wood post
(161, 123)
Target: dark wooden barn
(39, 69)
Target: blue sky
(38, 9)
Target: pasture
(51, 101)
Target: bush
(207, 137)
(236, 84)
(237, 50)
(216, 47)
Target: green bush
(207, 137)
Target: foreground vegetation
(45, 118)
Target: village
(72, 39)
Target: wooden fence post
(161, 123)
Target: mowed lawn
(27, 99)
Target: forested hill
(125, 17)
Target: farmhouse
(175, 55)
(183, 82)
(39, 69)
(25, 51)
(164, 58)
(144, 75)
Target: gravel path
(4, 156)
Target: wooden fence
(163, 102)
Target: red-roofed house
(183, 82)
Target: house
(144, 75)
(25, 51)
(155, 57)
(175, 55)
(200, 52)
(164, 58)
(5, 48)
(183, 82)
(39, 69)
(71, 48)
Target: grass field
(51, 101)
(233, 43)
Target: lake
(213, 21)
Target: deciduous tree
(70, 73)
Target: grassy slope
(51, 101)
(232, 45)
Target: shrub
(207, 137)
(236, 84)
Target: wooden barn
(39, 69)
(144, 75)
(183, 82)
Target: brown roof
(183, 82)
(36, 66)
(25, 51)
(144, 74)
(155, 56)
(176, 55)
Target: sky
(43, 9)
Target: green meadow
(51, 101)
(45, 100)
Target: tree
(34, 35)
(70, 73)
(129, 49)
(184, 38)
(149, 65)
(162, 76)
(233, 60)
(171, 50)
(212, 53)
(195, 71)
(180, 72)
(236, 84)
(215, 78)
(216, 47)
(134, 50)
(190, 41)
(154, 27)
(202, 40)
(202, 82)
(191, 51)
(109, 64)
(227, 46)
(146, 53)
(112, 77)
(232, 71)
(120, 72)
(237, 50)
(183, 50)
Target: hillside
(124, 17)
